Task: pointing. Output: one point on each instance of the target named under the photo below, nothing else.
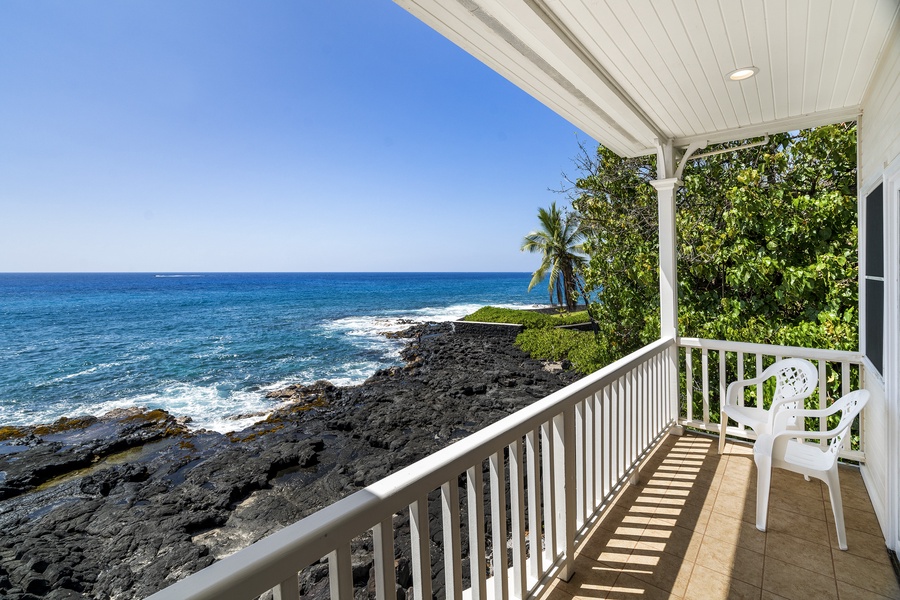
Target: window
(874, 277)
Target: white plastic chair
(795, 379)
(783, 450)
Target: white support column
(666, 186)
(668, 275)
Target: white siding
(880, 124)
(877, 449)
(879, 147)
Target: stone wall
(492, 330)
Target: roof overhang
(630, 73)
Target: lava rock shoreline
(125, 505)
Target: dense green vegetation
(580, 348)
(542, 340)
(766, 248)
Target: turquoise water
(209, 346)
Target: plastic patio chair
(783, 449)
(795, 379)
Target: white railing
(703, 363)
(566, 455)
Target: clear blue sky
(290, 135)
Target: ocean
(210, 345)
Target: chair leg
(837, 506)
(763, 483)
(723, 419)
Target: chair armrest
(734, 386)
(779, 423)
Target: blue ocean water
(210, 345)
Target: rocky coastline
(124, 505)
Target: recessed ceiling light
(743, 73)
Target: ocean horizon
(209, 346)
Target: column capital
(662, 185)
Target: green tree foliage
(559, 241)
(766, 243)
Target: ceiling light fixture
(743, 73)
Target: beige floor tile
(791, 501)
(851, 478)
(795, 551)
(862, 544)
(866, 574)
(741, 461)
(589, 581)
(741, 507)
(631, 588)
(849, 592)
(731, 560)
(767, 595)
(554, 592)
(623, 514)
(603, 543)
(855, 499)
(860, 520)
(711, 585)
(663, 571)
(739, 484)
(738, 448)
(787, 480)
(795, 583)
(797, 525)
(736, 531)
(678, 541)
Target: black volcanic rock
(122, 524)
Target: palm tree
(560, 240)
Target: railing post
(563, 440)
(450, 523)
(670, 368)
(477, 551)
(420, 542)
(532, 455)
(287, 590)
(498, 524)
(340, 572)
(385, 571)
(517, 518)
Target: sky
(280, 135)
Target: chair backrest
(850, 406)
(795, 378)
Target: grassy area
(528, 318)
(542, 341)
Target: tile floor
(687, 531)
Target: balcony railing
(708, 366)
(552, 468)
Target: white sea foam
(208, 406)
(88, 371)
(367, 325)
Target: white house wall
(879, 163)
(880, 125)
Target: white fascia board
(777, 126)
(542, 32)
(468, 30)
